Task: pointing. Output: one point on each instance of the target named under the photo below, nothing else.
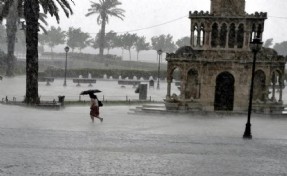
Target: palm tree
(13, 14)
(31, 15)
(105, 8)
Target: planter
(172, 105)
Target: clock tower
(227, 7)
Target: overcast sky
(170, 17)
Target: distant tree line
(75, 38)
(280, 48)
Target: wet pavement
(67, 143)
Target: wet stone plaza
(66, 143)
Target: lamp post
(66, 50)
(255, 47)
(159, 52)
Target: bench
(46, 79)
(134, 83)
(84, 81)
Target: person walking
(94, 113)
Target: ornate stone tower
(227, 26)
(215, 70)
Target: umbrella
(91, 91)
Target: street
(67, 143)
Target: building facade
(215, 70)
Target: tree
(55, 36)
(41, 40)
(11, 13)
(184, 41)
(141, 45)
(118, 42)
(3, 36)
(84, 40)
(111, 37)
(77, 39)
(129, 41)
(163, 42)
(281, 48)
(95, 41)
(268, 43)
(109, 42)
(105, 8)
(31, 14)
(72, 37)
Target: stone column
(168, 88)
(227, 38)
(280, 88)
(218, 37)
(198, 37)
(198, 90)
(244, 40)
(209, 42)
(273, 86)
(182, 89)
(248, 38)
(206, 39)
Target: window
(231, 41)
(202, 35)
(240, 36)
(214, 35)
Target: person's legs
(101, 119)
(92, 117)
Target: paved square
(66, 142)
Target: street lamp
(66, 50)
(255, 47)
(159, 52)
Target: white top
(94, 101)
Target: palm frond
(66, 6)
(43, 28)
(42, 18)
(49, 6)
